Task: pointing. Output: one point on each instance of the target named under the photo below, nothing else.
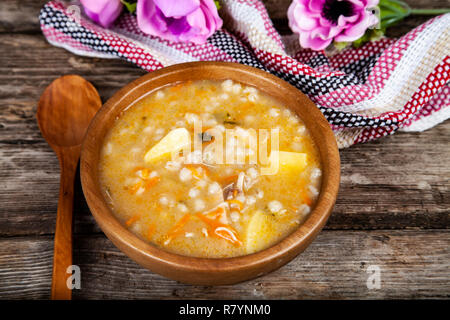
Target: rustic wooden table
(393, 208)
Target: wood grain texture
(20, 16)
(413, 264)
(398, 182)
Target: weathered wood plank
(25, 267)
(413, 264)
(22, 15)
(379, 189)
(26, 68)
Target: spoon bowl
(64, 121)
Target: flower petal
(103, 12)
(95, 5)
(343, 20)
(198, 31)
(300, 19)
(150, 19)
(195, 26)
(210, 10)
(326, 32)
(306, 41)
(304, 21)
(178, 26)
(177, 8)
(314, 5)
(356, 30)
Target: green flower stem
(429, 12)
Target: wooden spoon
(65, 110)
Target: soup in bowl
(210, 173)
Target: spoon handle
(62, 258)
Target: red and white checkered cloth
(364, 93)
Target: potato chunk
(288, 162)
(174, 141)
(259, 232)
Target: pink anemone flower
(319, 22)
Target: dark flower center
(333, 9)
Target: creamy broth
(189, 202)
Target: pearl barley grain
(274, 112)
(304, 209)
(164, 201)
(313, 191)
(316, 173)
(227, 85)
(234, 216)
(275, 206)
(194, 192)
(159, 95)
(214, 188)
(199, 205)
(182, 208)
(185, 175)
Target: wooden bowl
(206, 271)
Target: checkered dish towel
(364, 93)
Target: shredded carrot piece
(209, 222)
(135, 188)
(196, 165)
(150, 231)
(145, 172)
(177, 229)
(228, 234)
(306, 199)
(234, 193)
(151, 182)
(239, 203)
(195, 173)
(136, 169)
(132, 220)
(193, 167)
(221, 230)
(215, 212)
(144, 175)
